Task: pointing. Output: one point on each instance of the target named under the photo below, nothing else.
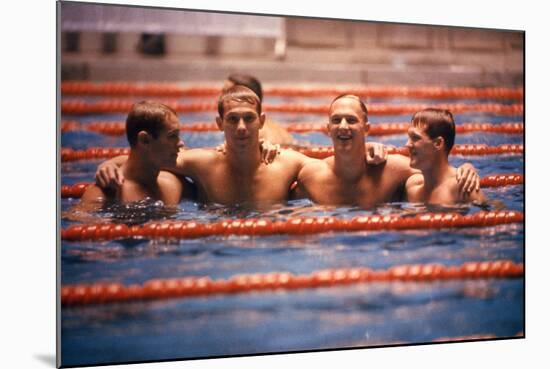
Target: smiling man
(346, 178)
(431, 138)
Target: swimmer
(431, 138)
(271, 131)
(345, 178)
(153, 131)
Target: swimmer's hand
(109, 175)
(376, 153)
(468, 180)
(269, 151)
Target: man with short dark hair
(153, 131)
(272, 131)
(431, 138)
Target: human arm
(109, 173)
(412, 188)
(476, 196)
(468, 180)
(92, 200)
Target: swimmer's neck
(350, 165)
(140, 169)
(437, 173)
(244, 160)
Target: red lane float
(295, 225)
(323, 152)
(497, 180)
(500, 180)
(174, 90)
(93, 153)
(123, 106)
(185, 287)
(319, 152)
(376, 129)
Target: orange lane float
(318, 152)
(497, 180)
(123, 106)
(376, 129)
(322, 152)
(185, 287)
(295, 225)
(175, 90)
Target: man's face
(164, 149)
(240, 124)
(421, 147)
(347, 124)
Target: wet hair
(241, 94)
(247, 81)
(437, 123)
(148, 116)
(356, 98)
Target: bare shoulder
(315, 169)
(166, 177)
(93, 192)
(416, 179)
(399, 165)
(294, 156)
(397, 161)
(198, 154)
(189, 160)
(316, 166)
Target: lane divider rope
(322, 152)
(294, 226)
(496, 180)
(318, 152)
(376, 129)
(174, 90)
(123, 106)
(185, 287)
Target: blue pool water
(279, 321)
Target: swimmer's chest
(267, 184)
(367, 191)
(446, 193)
(164, 191)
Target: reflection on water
(140, 212)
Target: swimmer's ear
(439, 143)
(219, 122)
(367, 127)
(143, 137)
(262, 120)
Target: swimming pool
(281, 320)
